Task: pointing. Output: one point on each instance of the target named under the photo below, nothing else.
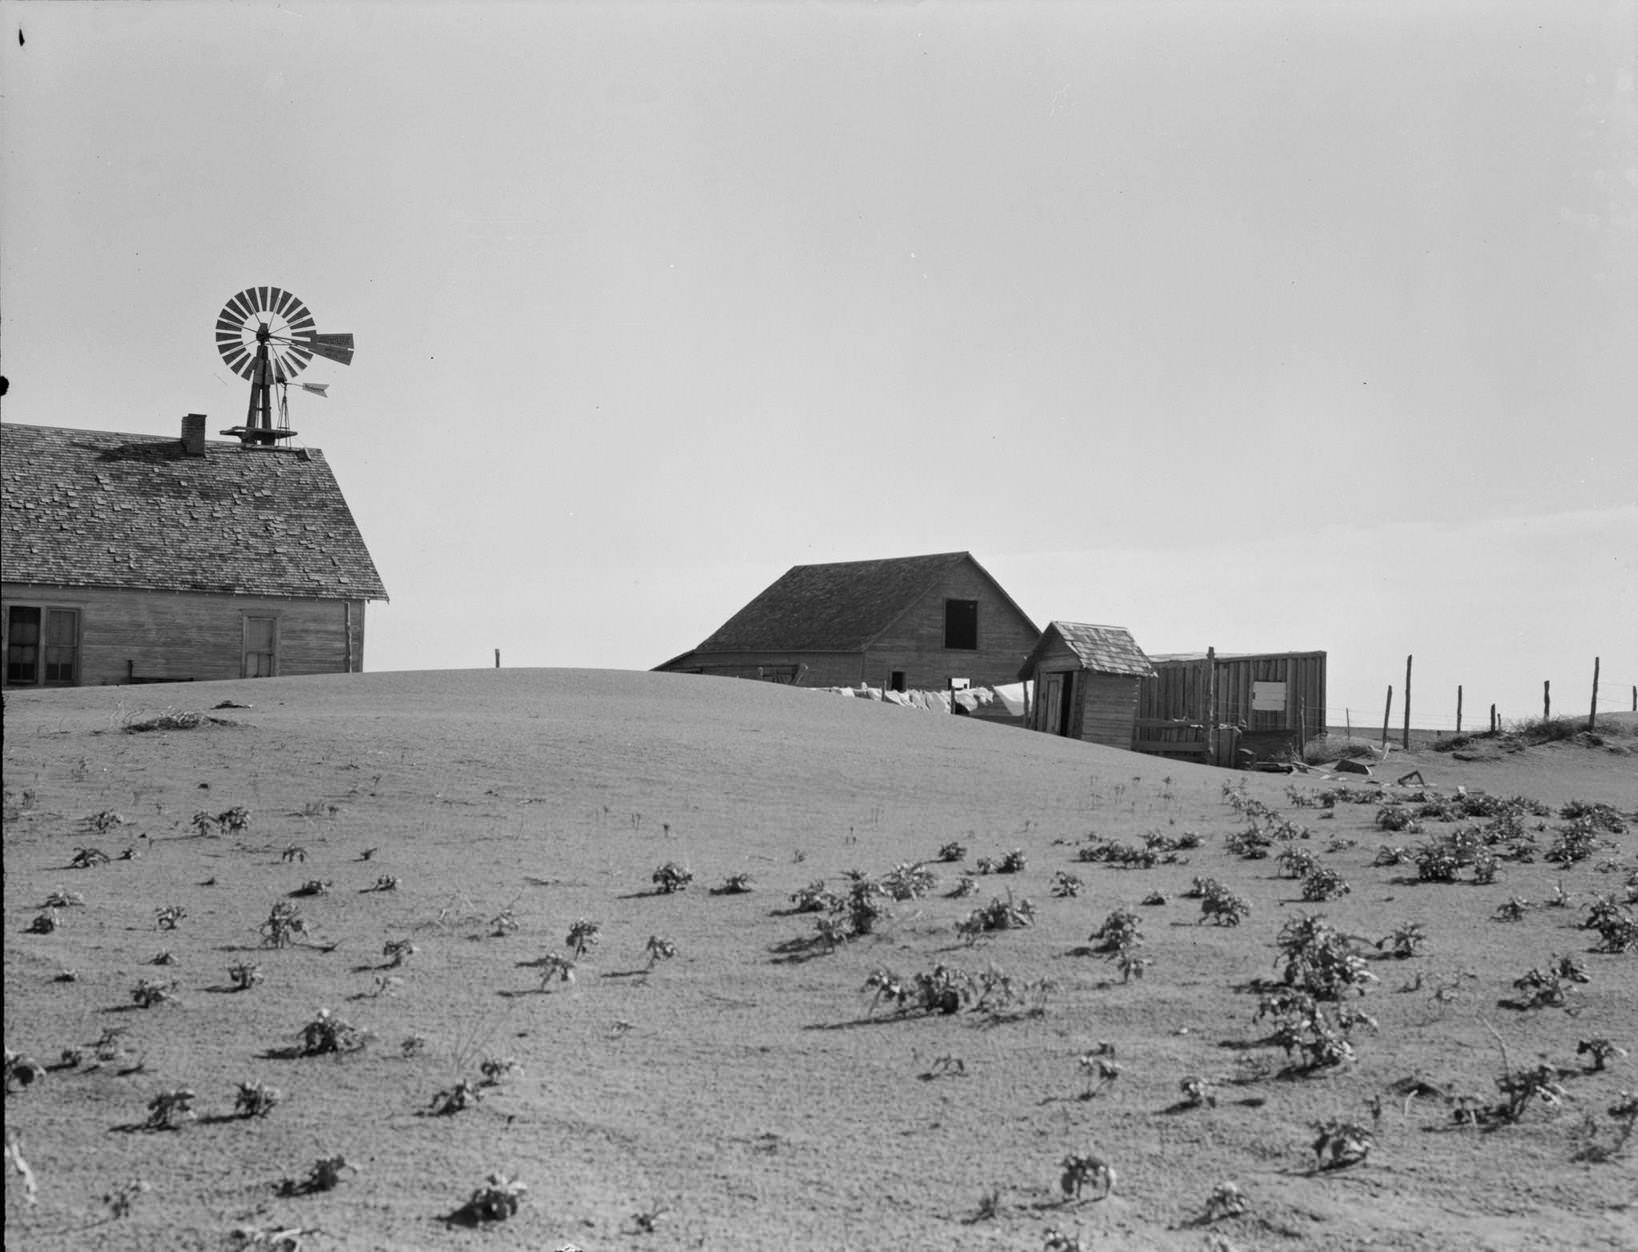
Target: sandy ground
(744, 1093)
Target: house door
(261, 647)
(1066, 704)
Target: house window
(261, 647)
(42, 646)
(961, 624)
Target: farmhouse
(132, 558)
(1231, 708)
(1086, 682)
(903, 623)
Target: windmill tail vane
(267, 336)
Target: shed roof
(837, 607)
(1105, 649)
(91, 508)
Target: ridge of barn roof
(1105, 649)
(92, 508)
(839, 606)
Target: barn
(1263, 705)
(136, 558)
(901, 623)
(1086, 682)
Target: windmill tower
(267, 335)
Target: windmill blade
(337, 348)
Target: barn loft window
(261, 647)
(42, 646)
(961, 624)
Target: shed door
(1056, 704)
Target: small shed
(1231, 708)
(1086, 682)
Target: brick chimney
(193, 434)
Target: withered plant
(1225, 1200)
(167, 917)
(168, 1107)
(325, 1175)
(327, 1033)
(495, 1201)
(582, 935)
(1088, 1172)
(149, 992)
(256, 1099)
(658, 950)
(672, 877)
(284, 925)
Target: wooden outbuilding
(1231, 708)
(134, 558)
(1086, 682)
(901, 623)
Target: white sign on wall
(1267, 697)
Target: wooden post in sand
(1546, 699)
(1405, 742)
(1458, 708)
(1592, 717)
(1492, 719)
(1387, 712)
(497, 658)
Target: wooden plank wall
(915, 643)
(1107, 708)
(197, 635)
(1172, 706)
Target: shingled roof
(838, 607)
(89, 508)
(1104, 649)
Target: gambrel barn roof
(838, 607)
(1103, 649)
(89, 508)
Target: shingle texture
(838, 607)
(1104, 649)
(88, 508)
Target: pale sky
(1256, 325)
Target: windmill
(266, 335)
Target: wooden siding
(914, 643)
(125, 634)
(801, 669)
(1106, 707)
(1173, 711)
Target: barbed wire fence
(1465, 709)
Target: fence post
(1211, 706)
(1458, 708)
(1387, 712)
(1592, 717)
(497, 658)
(1406, 741)
(1546, 699)
(1492, 719)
